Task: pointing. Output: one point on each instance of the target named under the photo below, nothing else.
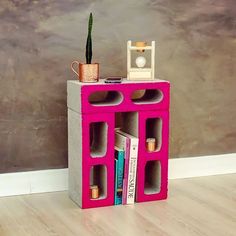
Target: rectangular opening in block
(153, 134)
(98, 182)
(98, 139)
(105, 98)
(147, 96)
(127, 122)
(152, 177)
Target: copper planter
(87, 73)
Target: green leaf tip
(89, 52)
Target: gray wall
(38, 40)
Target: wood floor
(197, 206)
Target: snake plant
(89, 52)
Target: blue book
(119, 174)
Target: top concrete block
(126, 96)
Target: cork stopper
(151, 144)
(94, 190)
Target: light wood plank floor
(197, 206)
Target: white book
(131, 167)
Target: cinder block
(92, 110)
(101, 97)
(154, 186)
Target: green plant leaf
(89, 52)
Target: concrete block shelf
(140, 108)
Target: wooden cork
(94, 190)
(151, 144)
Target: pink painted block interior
(152, 171)
(99, 161)
(98, 130)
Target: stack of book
(126, 154)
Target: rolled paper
(140, 44)
(94, 191)
(151, 144)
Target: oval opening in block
(98, 139)
(153, 134)
(105, 98)
(147, 96)
(152, 177)
(98, 182)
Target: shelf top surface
(124, 81)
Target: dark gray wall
(38, 40)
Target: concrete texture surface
(195, 51)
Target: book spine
(116, 179)
(120, 169)
(126, 171)
(132, 171)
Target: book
(123, 142)
(119, 172)
(130, 145)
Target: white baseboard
(33, 182)
(180, 168)
(57, 180)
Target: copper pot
(87, 73)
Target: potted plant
(88, 72)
